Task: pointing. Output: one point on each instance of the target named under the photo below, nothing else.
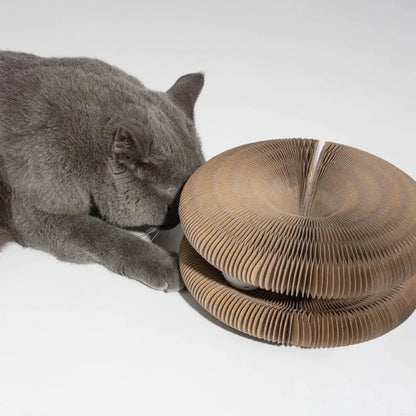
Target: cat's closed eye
(146, 167)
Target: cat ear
(124, 148)
(185, 92)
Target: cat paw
(159, 271)
(164, 274)
(149, 264)
(173, 278)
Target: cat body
(88, 152)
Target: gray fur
(87, 151)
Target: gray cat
(87, 153)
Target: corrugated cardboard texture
(349, 231)
(340, 227)
(283, 319)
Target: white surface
(79, 340)
(238, 283)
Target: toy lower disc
(297, 321)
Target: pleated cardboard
(330, 241)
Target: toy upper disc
(269, 214)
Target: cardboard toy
(326, 243)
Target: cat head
(152, 154)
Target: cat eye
(146, 166)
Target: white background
(79, 340)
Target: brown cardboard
(334, 236)
(298, 321)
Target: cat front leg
(87, 239)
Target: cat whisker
(157, 233)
